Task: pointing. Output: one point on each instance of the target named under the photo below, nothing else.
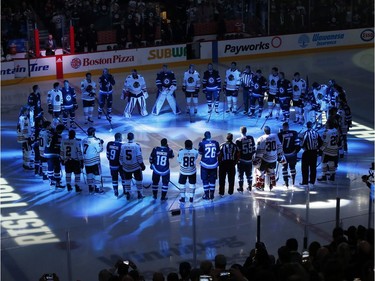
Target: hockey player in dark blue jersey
(106, 83)
(159, 160)
(211, 87)
(113, 155)
(167, 84)
(209, 150)
(291, 146)
(69, 105)
(284, 94)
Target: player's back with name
(209, 149)
(289, 140)
(113, 153)
(91, 151)
(246, 145)
(71, 149)
(160, 159)
(130, 156)
(187, 159)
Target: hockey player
(36, 118)
(88, 91)
(246, 145)
(113, 155)
(91, 148)
(24, 137)
(228, 158)
(258, 87)
(246, 77)
(187, 158)
(209, 150)
(52, 154)
(159, 160)
(321, 99)
(268, 151)
(291, 146)
(69, 105)
(35, 106)
(346, 122)
(106, 83)
(136, 93)
(284, 94)
(71, 156)
(310, 107)
(330, 149)
(55, 102)
(231, 87)
(166, 83)
(299, 91)
(272, 100)
(211, 84)
(132, 164)
(44, 138)
(191, 85)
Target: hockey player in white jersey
(55, 102)
(131, 160)
(330, 149)
(91, 148)
(299, 91)
(88, 91)
(135, 92)
(190, 85)
(269, 150)
(320, 94)
(231, 87)
(71, 156)
(187, 158)
(272, 99)
(45, 135)
(24, 136)
(167, 84)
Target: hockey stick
(209, 115)
(106, 115)
(277, 171)
(268, 116)
(175, 185)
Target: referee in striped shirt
(311, 142)
(246, 78)
(228, 158)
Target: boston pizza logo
(76, 63)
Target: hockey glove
(143, 167)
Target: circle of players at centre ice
(280, 94)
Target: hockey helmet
(91, 131)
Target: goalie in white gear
(166, 83)
(269, 150)
(191, 85)
(135, 92)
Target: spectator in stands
(50, 45)
(184, 270)
(80, 40)
(150, 30)
(122, 35)
(92, 39)
(136, 31)
(58, 20)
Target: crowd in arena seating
(141, 23)
(348, 256)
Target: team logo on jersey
(136, 85)
(296, 88)
(231, 77)
(166, 81)
(256, 86)
(281, 90)
(68, 97)
(273, 82)
(190, 80)
(76, 63)
(57, 98)
(211, 80)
